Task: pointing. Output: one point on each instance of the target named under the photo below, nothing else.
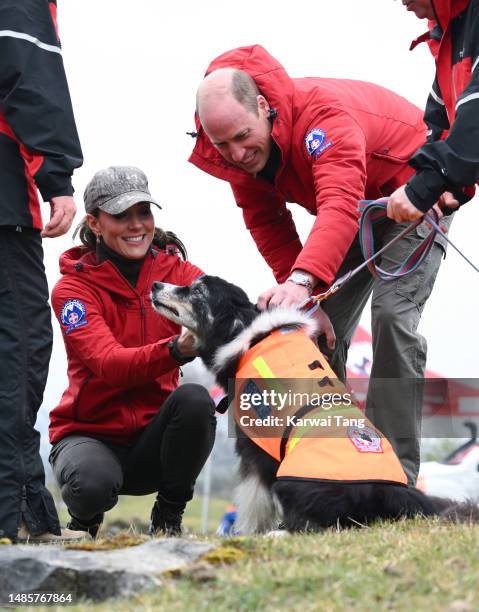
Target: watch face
(297, 277)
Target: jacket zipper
(143, 321)
(141, 301)
(454, 85)
(281, 166)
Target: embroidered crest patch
(315, 142)
(73, 315)
(365, 439)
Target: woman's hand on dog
(187, 344)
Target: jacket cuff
(59, 185)
(425, 188)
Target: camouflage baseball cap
(116, 189)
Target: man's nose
(237, 152)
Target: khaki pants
(394, 401)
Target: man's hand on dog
(325, 327)
(285, 295)
(290, 294)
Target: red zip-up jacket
(364, 137)
(450, 159)
(120, 370)
(39, 145)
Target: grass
(409, 565)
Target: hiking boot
(68, 536)
(166, 517)
(91, 527)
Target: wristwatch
(301, 278)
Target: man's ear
(263, 106)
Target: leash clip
(336, 286)
(314, 301)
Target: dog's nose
(157, 286)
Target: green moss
(224, 554)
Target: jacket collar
(445, 11)
(79, 262)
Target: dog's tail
(454, 511)
(318, 505)
(257, 511)
(446, 509)
(408, 502)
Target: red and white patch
(365, 439)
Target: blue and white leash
(374, 211)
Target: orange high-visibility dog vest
(315, 441)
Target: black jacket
(39, 145)
(450, 159)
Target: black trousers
(166, 458)
(25, 349)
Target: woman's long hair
(161, 239)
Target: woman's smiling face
(130, 233)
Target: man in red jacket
(448, 165)
(39, 148)
(324, 144)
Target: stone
(96, 575)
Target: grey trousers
(394, 401)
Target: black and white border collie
(226, 324)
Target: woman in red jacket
(123, 426)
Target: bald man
(325, 144)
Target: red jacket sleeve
(339, 176)
(96, 347)
(271, 226)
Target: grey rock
(96, 575)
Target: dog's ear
(245, 312)
(239, 298)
